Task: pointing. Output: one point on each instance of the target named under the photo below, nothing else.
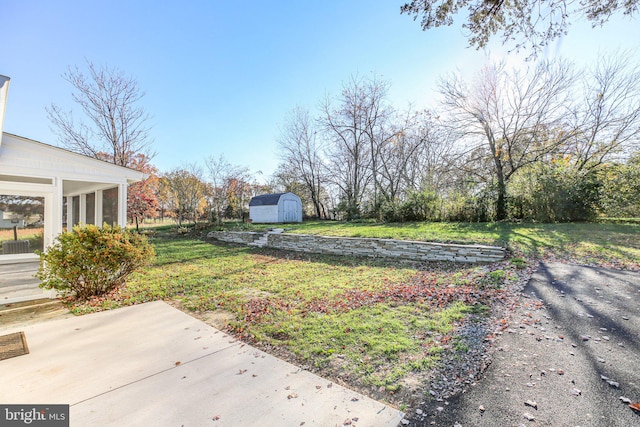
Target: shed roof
(266, 199)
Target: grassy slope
(608, 244)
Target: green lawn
(376, 325)
(372, 322)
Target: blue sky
(221, 76)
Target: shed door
(290, 207)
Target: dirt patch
(219, 319)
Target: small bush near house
(91, 261)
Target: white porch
(45, 190)
(64, 188)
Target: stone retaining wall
(244, 237)
(377, 248)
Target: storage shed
(275, 208)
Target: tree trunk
(501, 201)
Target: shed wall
(289, 208)
(263, 214)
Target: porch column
(99, 213)
(55, 212)
(83, 209)
(69, 213)
(122, 205)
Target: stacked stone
(376, 248)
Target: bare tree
(433, 162)
(222, 176)
(379, 129)
(512, 118)
(186, 191)
(354, 127)
(413, 159)
(608, 118)
(115, 126)
(301, 155)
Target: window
(110, 206)
(91, 208)
(21, 224)
(75, 210)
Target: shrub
(91, 261)
(418, 206)
(556, 191)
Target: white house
(75, 188)
(275, 208)
(8, 220)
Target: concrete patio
(152, 364)
(18, 282)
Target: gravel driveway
(569, 357)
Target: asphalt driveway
(152, 364)
(568, 358)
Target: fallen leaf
(177, 363)
(635, 406)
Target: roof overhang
(25, 157)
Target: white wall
(263, 214)
(290, 208)
(10, 223)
